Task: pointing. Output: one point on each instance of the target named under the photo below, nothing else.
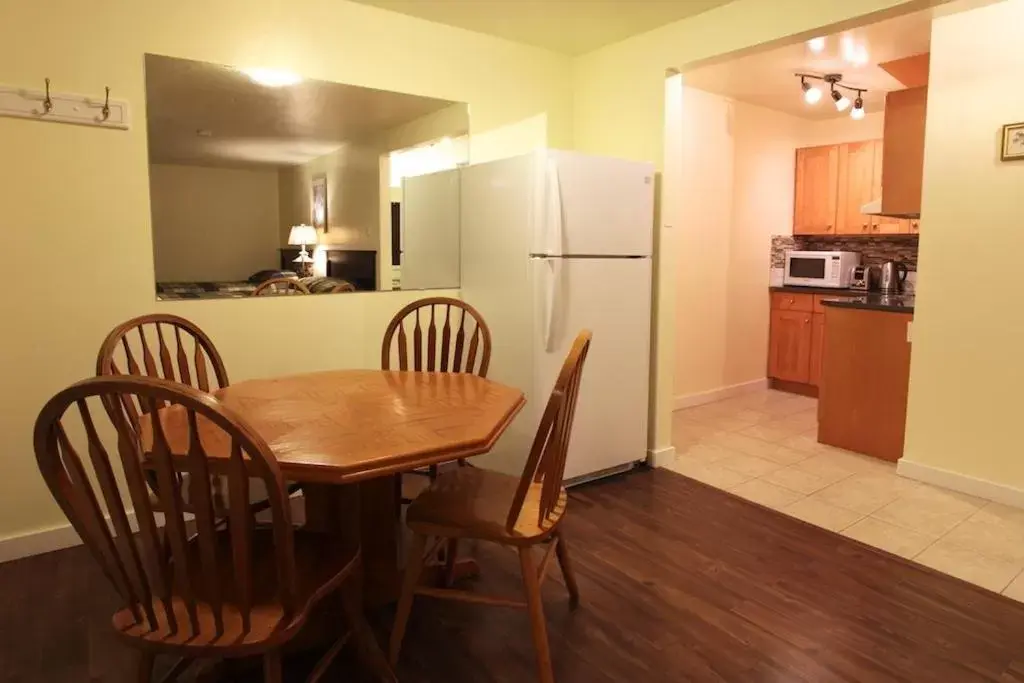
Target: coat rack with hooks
(47, 105)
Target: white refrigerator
(554, 242)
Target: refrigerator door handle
(551, 299)
(553, 219)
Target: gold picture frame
(1013, 142)
(318, 203)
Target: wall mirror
(265, 183)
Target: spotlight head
(842, 102)
(858, 109)
(812, 95)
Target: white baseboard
(38, 542)
(660, 457)
(65, 536)
(982, 488)
(691, 400)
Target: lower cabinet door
(817, 347)
(789, 346)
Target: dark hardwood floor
(680, 582)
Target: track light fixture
(812, 94)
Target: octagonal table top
(350, 425)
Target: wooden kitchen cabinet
(817, 190)
(903, 163)
(789, 346)
(859, 163)
(817, 348)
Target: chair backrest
(129, 350)
(280, 286)
(449, 351)
(164, 577)
(546, 463)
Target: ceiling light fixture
(816, 45)
(858, 107)
(272, 78)
(812, 94)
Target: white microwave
(820, 268)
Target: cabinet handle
(806, 320)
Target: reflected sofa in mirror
(259, 174)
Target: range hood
(875, 209)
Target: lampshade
(302, 235)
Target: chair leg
(366, 642)
(272, 670)
(413, 566)
(538, 625)
(567, 571)
(144, 667)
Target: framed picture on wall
(1013, 142)
(318, 204)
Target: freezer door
(430, 231)
(592, 206)
(612, 298)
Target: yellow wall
(966, 373)
(618, 109)
(213, 223)
(82, 193)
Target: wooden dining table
(346, 435)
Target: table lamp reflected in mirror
(301, 236)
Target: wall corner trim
(661, 457)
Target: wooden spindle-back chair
(462, 344)
(443, 335)
(280, 286)
(190, 588)
(522, 513)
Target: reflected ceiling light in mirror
(816, 45)
(272, 78)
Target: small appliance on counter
(833, 269)
(865, 278)
(893, 278)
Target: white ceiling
(251, 124)
(569, 26)
(766, 78)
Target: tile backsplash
(874, 250)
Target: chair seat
(470, 502)
(320, 565)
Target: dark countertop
(893, 303)
(791, 289)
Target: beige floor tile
(784, 456)
(730, 422)
(888, 537)
(963, 563)
(708, 472)
(802, 480)
(864, 493)
(749, 464)
(996, 513)
(787, 407)
(932, 515)
(772, 431)
(984, 533)
(823, 515)
(743, 444)
(705, 452)
(805, 441)
(1016, 588)
(798, 424)
(766, 494)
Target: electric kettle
(893, 277)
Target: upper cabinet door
(903, 163)
(883, 225)
(856, 186)
(817, 185)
